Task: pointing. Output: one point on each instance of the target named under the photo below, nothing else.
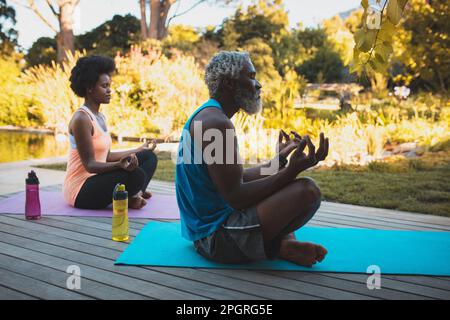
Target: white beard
(248, 103)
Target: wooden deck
(34, 257)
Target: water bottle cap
(119, 192)
(32, 178)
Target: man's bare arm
(229, 178)
(261, 171)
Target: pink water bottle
(32, 203)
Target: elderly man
(236, 215)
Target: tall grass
(48, 88)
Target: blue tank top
(202, 209)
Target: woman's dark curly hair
(87, 71)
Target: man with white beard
(237, 215)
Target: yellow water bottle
(120, 214)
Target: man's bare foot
(136, 202)
(302, 253)
(146, 194)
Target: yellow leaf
(353, 67)
(367, 40)
(395, 10)
(365, 4)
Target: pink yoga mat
(53, 204)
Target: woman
(93, 170)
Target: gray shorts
(238, 240)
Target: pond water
(18, 146)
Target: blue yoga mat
(349, 250)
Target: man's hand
(299, 161)
(285, 148)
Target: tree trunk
(159, 10)
(441, 80)
(144, 28)
(155, 7)
(162, 29)
(64, 38)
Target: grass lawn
(415, 185)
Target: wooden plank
(105, 225)
(378, 212)
(272, 280)
(339, 222)
(395, 285)
(52, 239)
(90, 226)
(382, 221)
(432, 282)
(81, 238)
(9, 294)
(367, 224)
(37, 288)
(58, 278)
(343, 284)
(212, 291)
(37, 252)
(242, 285)
(350, 224)
(159, 284)
(316, 223)
(136, 223)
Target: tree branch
(178, 7)
(52, 8)
(20, 4)
(184, 12)
(32, 6)
(376, 35)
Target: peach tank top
(76, 174)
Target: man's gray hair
(224, 65)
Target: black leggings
(97, 191)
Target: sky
(91, 13)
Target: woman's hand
(148, 145)
(129, 163)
